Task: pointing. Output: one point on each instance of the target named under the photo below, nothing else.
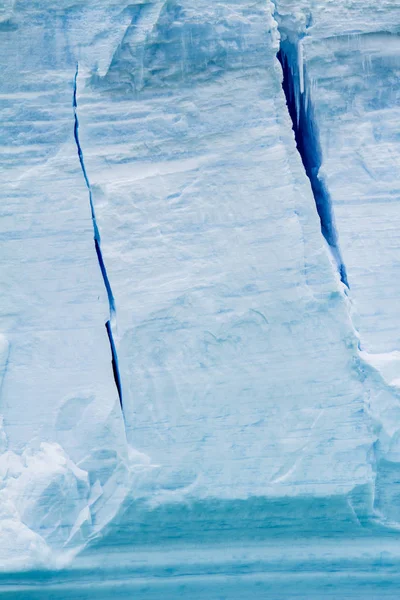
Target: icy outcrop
(50, 507)
(46, 491)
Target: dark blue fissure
(114, 361)
(97, 244)
(307, 140)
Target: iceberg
(199, 342)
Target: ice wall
(58, 388)
(258, 391)
(349, 65)
(224, 290)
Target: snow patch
(387, 364)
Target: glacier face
(207, 289)
(153, 184)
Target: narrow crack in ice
(301, 111)
(110, 324)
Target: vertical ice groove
(298, 100)
(110, 324)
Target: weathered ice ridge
(224, 150)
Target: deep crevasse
(296, 88)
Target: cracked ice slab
(58, 385)
(360, 135)
(352, 55)
(355, 86)
(226, 291)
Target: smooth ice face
(181, 363)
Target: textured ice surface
(259, 440)
(224, 290)
(354, 80)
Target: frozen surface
(223, 287)
(151, 182)
(57, 386)
(358, 111)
